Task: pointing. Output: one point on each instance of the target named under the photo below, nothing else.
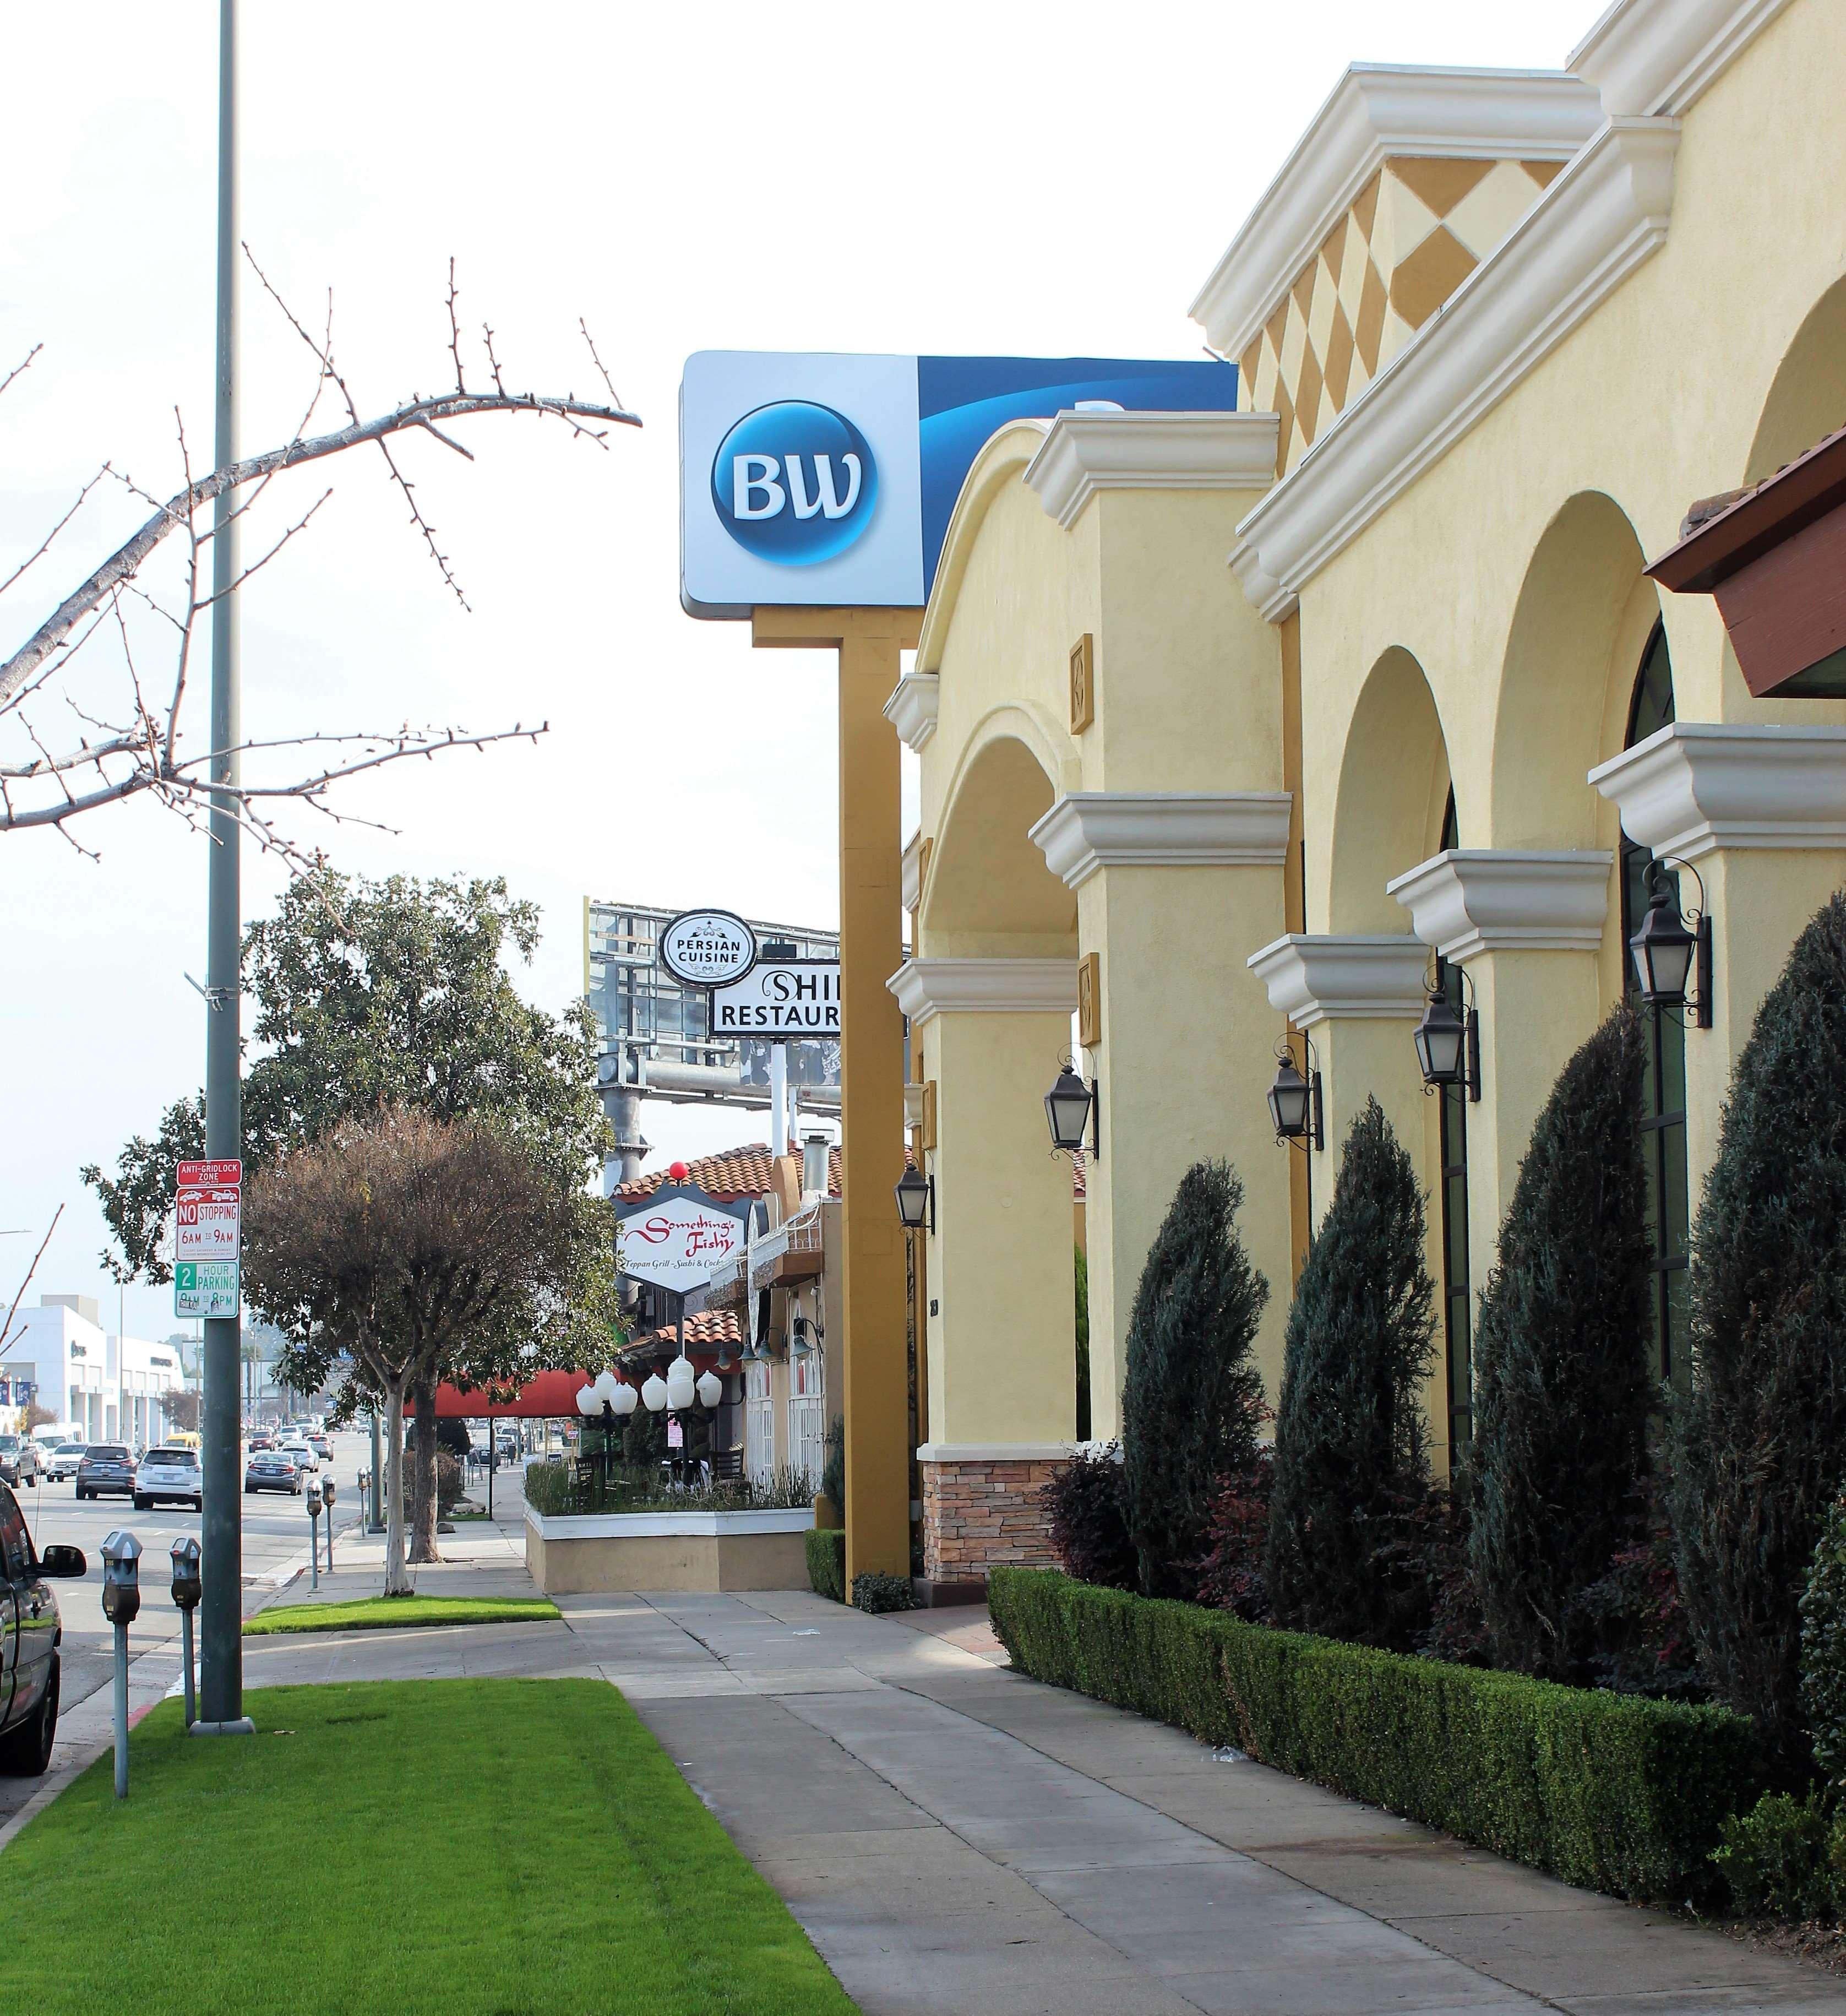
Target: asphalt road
(274, 1527)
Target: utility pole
(221, 1612)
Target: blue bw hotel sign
(816, 480)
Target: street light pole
(221, 1529)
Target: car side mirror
(62, 1563)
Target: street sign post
(205, 1288)
(779, 1000)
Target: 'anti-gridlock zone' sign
(207, 1238)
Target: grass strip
(432, 1848)
(379, 1613)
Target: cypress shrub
(1823, 1651)
(1352, 1456)
(1562, 1384)
(1759, 1441)
(1192, 1398)
(827, 1561)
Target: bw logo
(794, 483)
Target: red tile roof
(705, 1330)
(730, 1174)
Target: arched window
(1663, 1096)
(1454, 1154)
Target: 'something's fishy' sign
(779, 1000)
(678, 1239)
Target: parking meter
(327, 1500)
(187, 1590)
(121, 1579)
(121, 1603)
(313, 1495)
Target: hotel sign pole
(221, 1610)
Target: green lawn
(460, 1848)
(375, 1613)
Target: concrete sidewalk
(958, 1839)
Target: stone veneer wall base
(984, 1514)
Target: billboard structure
(826, 481)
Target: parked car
(19, 1460)
(106, 1469)
(171, 1472)
(271, 1470)
(32, 1633)
(63, 1461)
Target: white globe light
(680, 1384)
(607, 1387)
(711, 1389)
(587, 1402)
(625, 1398)
(654, 1392)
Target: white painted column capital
(1694, 786)
(912, 708)
(930, 987)
(1316, 978)
(1465, 902)
(1086, 452)
(1085, 831)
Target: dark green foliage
(1351, 1460)
(1238, 1538)
(877, 1594)
(833, 1470)
(827, 1561)
(1086, 1507)
(1192, 1399)
(1823, 1649)
(1620, 1794)
(1562, 1384)
(644, 1439)
(1083, 1412)
(1760, 1439)
(1777, 1859)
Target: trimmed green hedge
(827, 1561)
(1623, 1794)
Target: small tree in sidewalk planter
(1352, 1456)
(1759, 1442)
(1562, 1384)
(1193, 1398)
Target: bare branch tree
(8, 1336)
(50, 780)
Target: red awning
(547, 1396)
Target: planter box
(601, 1553)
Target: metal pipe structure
(222, 1527)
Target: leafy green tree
(1562, 1385)
(1352, 1462)
(1193, 1398)
(371, 994)
(1759, 1440)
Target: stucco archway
(988, 893)
(1394, 787)
(1807, 398)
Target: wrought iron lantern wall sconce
(1672, 952)
(1072, 1107)
(1294, 1101)
(916, 1201)
(1448, 1042)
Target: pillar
(1167, 880)
(1759, 814)
(874, 1397)
(999, 1319)
(1527, 930)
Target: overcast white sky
(1011, 179)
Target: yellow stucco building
(1250, 723)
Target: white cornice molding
(1085, 831)
(1378, 110)
(1660, 56)
(1313, 979)
(912, 708)
(1694, 786)
(996, 1451)
(1600, 220)
(926, 986)
(1469, 901)
(1084, 453)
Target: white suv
(169, 1473)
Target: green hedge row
(827, 1561)
(1623, 1794)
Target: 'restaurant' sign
(780, 999)
(678, 1238)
